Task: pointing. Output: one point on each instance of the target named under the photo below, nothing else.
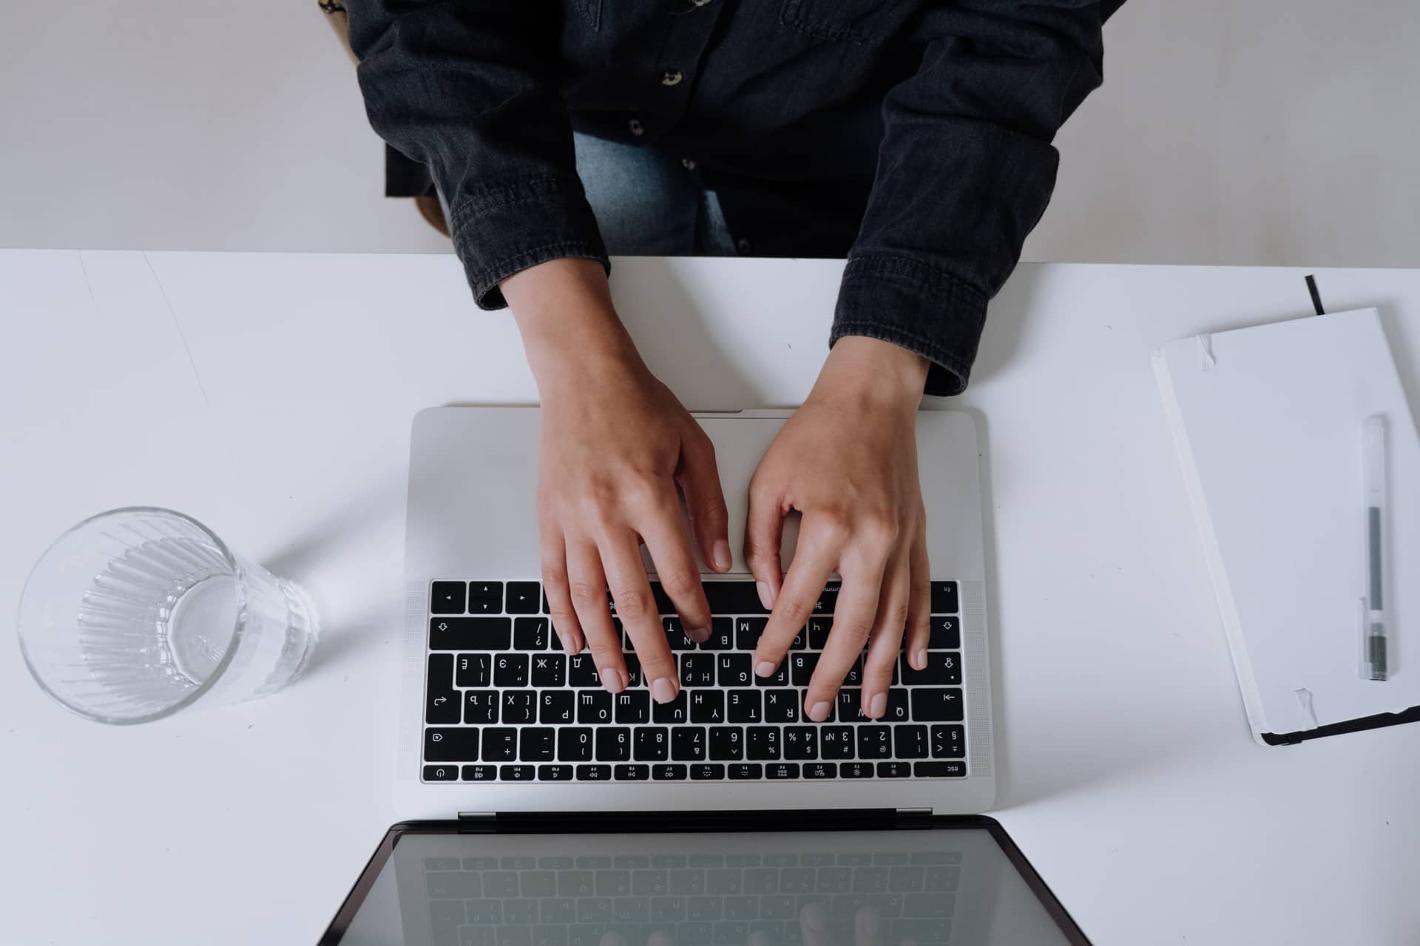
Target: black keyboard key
(801, 668)
(574, 744)
(744, 706)
(537, 744)
(447, 597)
(944, 769)
(734, 670)
(707, 772)
(781, 706)
(531, 633)
(451, 745)
(801, 742)
(480, 707)
(894, 770)
(836, 742)
(554, 773)
(470, 633)
(676, 711)
(763, 743)
(854, 677)
(549, 670)
(897, 706)
(818, 770)
(473, 670)
(856, 770)
(519, 707)
(697, 670)
(668, 772)
(510, 670)
(937, 705)
(874, 742)
(707, 706)
(848, 705)
(817, 632)
(479, 773)
(727, 743)
(946, 632)
(485, 597)
(948, 742)
(593, 773)
(500, 744)
(675, 635)
(441, 773)
(910, 742)
(594, 707)
(664, 604)
(613, 744)
(944, 597)
(441, 699)
(943, 669)
(722, 635)
(653, 744)
(688, 744)
(633, 706)
(782, 770)
(582, 672)
(524, 597)
(632, 773)
(747, 632)
(746, 770)
(827, 599)
(517, 773)
(733, 598)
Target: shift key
(470, 633)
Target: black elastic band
(1316, 296)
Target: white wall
(1262, 131)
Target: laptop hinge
(632, 822)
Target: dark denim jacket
(912, 137)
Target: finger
(813, 564)
(853, 617)
(588, 586)
(866, 927)
(636, 608)
(764, 527)
(762, 938)
(554, 582)
(699, 480)
(814, 926)
(919, 607)
(885, 639)
(612, 938)
(660, 938)
(676, 570)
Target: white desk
(270, 396)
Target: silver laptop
(497, 718)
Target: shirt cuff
(917, 306)
(504, 229)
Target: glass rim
(201, 688)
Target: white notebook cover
(1267, 421)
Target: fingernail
(662, 690)
(819, 711)
(919, 659)
(878, 707)
(766, 597)
(612, 680)
(698, 634)
(722, 556)
(764, 669)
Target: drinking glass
(136, 613)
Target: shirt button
(688, 164)
(743, 246)
(636, 127)
(672, 77)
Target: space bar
(733, 597)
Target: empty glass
(136, 613)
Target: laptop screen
(927, 887)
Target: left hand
(847, 462)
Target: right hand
(618, 453)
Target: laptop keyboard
(503, 702)
(693, 900)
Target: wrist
(873, 372)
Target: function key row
(706, 771)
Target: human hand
(847, 462)
(618, 451)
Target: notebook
(1267, 422)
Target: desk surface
(271, 395)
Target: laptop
(513, 762)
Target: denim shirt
(912, 137)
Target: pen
(1373, 472)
